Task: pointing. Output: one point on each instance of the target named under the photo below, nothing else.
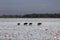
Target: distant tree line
(32, 16)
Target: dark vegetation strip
(32, 16)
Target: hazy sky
(30, 6)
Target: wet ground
(48, 30)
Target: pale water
(48, 30)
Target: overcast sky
(44, 6)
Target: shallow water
(9, 30)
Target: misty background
(13, 7)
